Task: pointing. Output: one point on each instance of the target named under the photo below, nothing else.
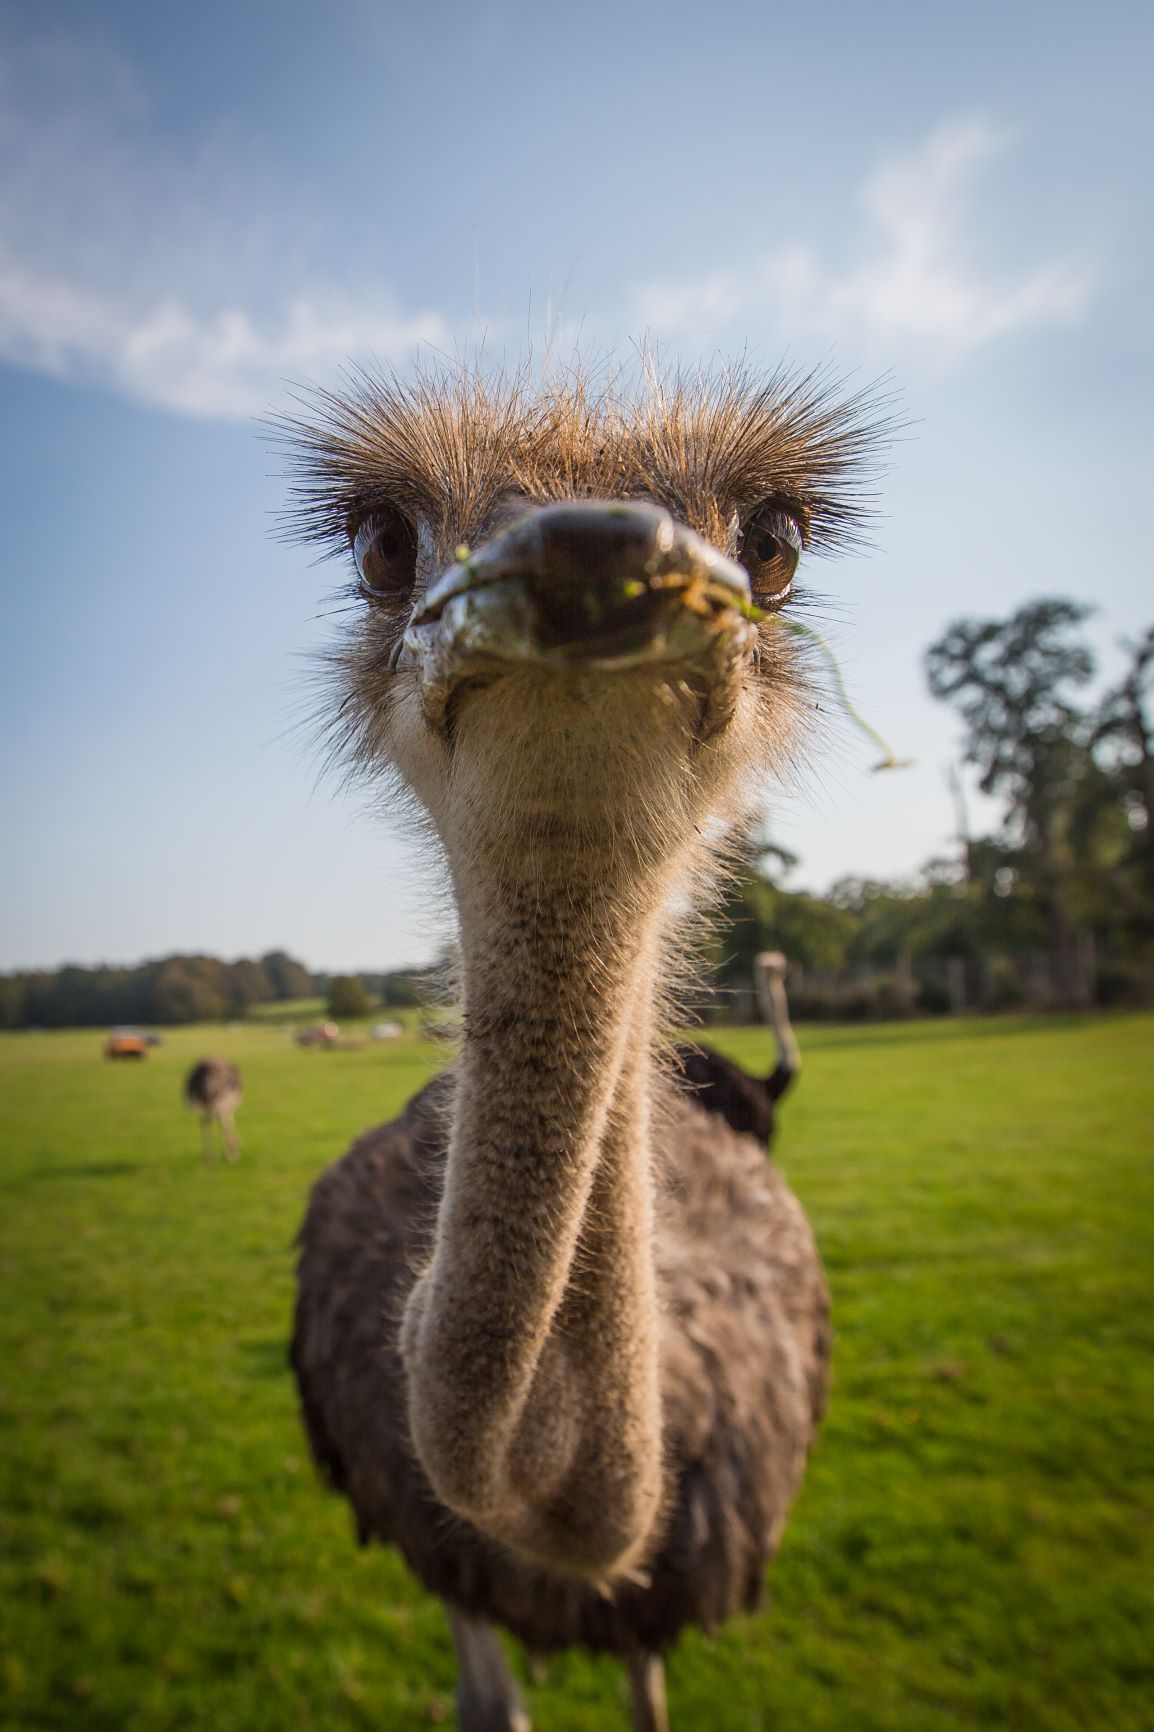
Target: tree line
(165, 991)
(1071, 859)
(170, 990)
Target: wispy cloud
(180, 281)
(195, 279)
(225, 363)
(914, 282)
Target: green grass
(299, 1013)
(289, 1010)
(973, 1547)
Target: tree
(757, 914)
(13, 1001)
(1123, 747)
(247, 984)
(1013, 682)
(191, 989)
(287, 977)
(347, 997)
(929, 916)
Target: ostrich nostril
(597, 546)
(589, 573)
(581, 616)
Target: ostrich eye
(385, 549)
(769, 547)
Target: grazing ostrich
(562, 1336)
(746, 1103)
(213, 1089)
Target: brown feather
(745, 1375)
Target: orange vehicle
(126, 1043)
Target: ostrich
(213, 1089)
(747, 1103)
(562, 1336)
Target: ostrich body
(747, 1103)
(561, 1335)
(213, 1089)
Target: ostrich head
(566, 635)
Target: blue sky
(198, 204)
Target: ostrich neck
(774, 1008)
(531, 1340)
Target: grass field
(974, 1546)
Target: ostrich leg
(487, 1697)
(228, 1133)
(647, 1679)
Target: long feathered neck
(774, 1007)
(531, 1340)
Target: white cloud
(181, 281)
(225, 363)
(913, 285)
(189, 278)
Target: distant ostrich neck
(531, 1342)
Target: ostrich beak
(587, 586)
